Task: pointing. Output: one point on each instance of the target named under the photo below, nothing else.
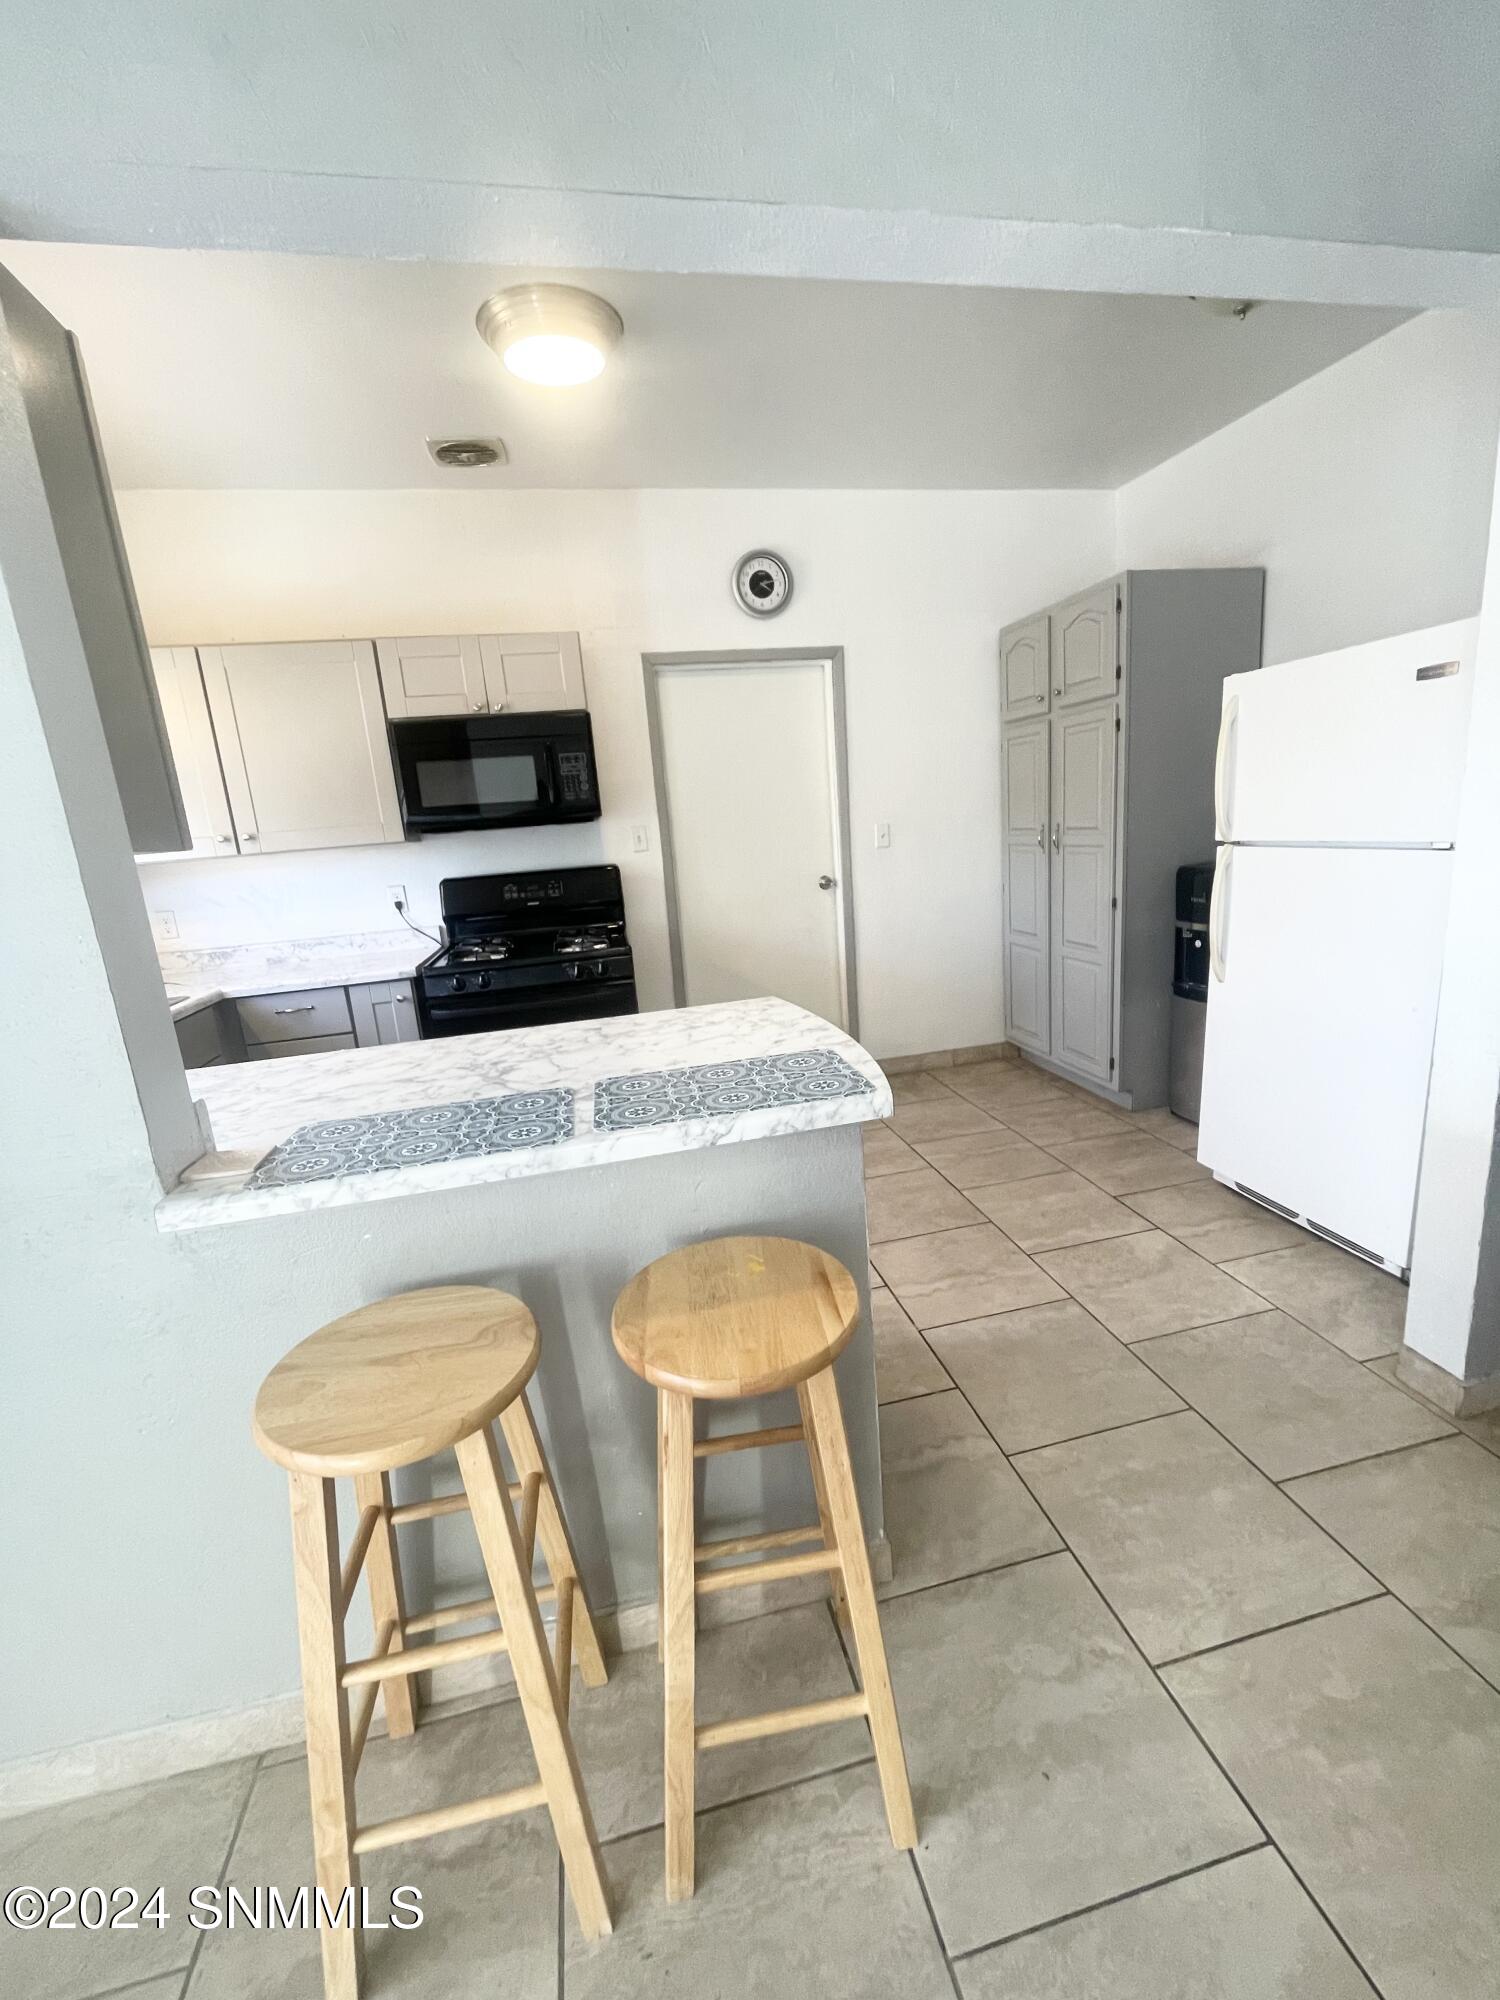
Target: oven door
(458, 773)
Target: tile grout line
(1105, 1430)
(222, 1876)
(1112, 1902)
(937, 1930)
(1365, 1458)
(1286, 1625)
(1198, 1736)
(137, 1985)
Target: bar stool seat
(747, 1316)
(737, 1316)
(396, 1381)
(383, 1387)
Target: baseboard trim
(113, 1763)
(950, 1058)
(1446, 1392)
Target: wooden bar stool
(383, 1387)
(744, 1316)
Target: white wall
(1364, 491)
(913, 585)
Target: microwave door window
(478, 783)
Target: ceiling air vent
(468, 452)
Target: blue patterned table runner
(718, 1090)
(382, 1140)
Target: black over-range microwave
(458, 773)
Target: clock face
(762, 583)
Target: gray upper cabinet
(1105, 794)
(302, 741)
(1024, 669)
(491, 673)
(190, 735)
(431, 676)
(1085, 644)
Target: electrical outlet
(640, 840)
(397, 892)
(882, 833)
(163, 925)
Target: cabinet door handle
(1041, 838)
(249, 836)
(308, 1007)
(403, 999)
(480, 707)
(1056, 835)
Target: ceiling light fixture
(552, 334)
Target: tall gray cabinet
(1109, 706)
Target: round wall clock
(762, 583)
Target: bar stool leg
(526, 1450)
(536, 1682)
(678, 1618)
(330, 1765)
(836, 1590)
(387, 1600)
(822, 1401)
(661, 1527)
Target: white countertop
(196, 978)
(255, 1106)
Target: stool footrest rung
(778, 1721)
(749, 1545)
(422, 1659)
(766, 1572)
(748, 1440)
(445, 1503)
(460, 1614)
(447, 1819)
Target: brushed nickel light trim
(556, 335)
(467, 454)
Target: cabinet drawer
(310, 1045)
(285, 1017)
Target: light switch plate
(640, 839)
(163, 925)
(882, 833)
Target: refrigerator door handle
(1218, 915)
(1228, 726)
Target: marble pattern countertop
(254, 1106)
(198, 977)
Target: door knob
(825, 881)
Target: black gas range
(526, 951)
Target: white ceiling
(230, 369)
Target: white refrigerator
(1336, 803)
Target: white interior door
(1320, 1020)
(1083, 872)
(1027, 974)
(747, 775)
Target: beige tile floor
(1195, 1629)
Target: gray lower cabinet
(302, 1045)
(1109, 717)
(384, 1012)
(210, 1035)
(262, 1026)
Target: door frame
(831, 660)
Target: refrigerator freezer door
(1321, 1008)
(1362, 747)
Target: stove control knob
(483, 982)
